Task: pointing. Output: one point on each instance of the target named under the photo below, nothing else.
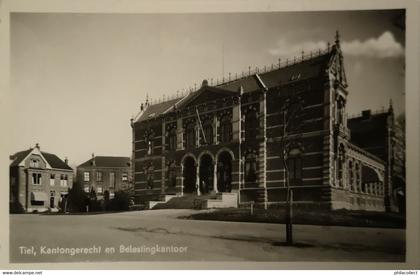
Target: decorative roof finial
(390, 109)
(337, 38)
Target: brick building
(38, 180)
(380, 134)
(105, 173)
(251, 135)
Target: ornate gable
(205, 94)
(336, 64)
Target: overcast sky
(77, 79)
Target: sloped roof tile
(107, 161)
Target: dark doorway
(189, 175)
(224, 172)
(52, 194)
(206, 174)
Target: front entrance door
(52, 195)
(206, 174)
(189, 175)
(224, 172)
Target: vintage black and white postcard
(202, 134)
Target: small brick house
(39, 180)
(105, 173)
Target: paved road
(194, 240)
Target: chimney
(366, 114)
(66, 160)
(93, 160)
(141, 107)
(37, 146)
(204, 83)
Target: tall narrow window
(124, 177)
(208, 132)
(358, 178)
(99, 176)
(251, 125)
(36, 178)
(149, 143)
(111, 179)
(225, 129)
(150, 177)
(172, 139)
(251, 168)
(340, 163)
(52, 180)
(294, 165)
(86, 176)
(190, 139)
(63, 180)
(351, 177)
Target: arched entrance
(189, 175)
(206, 173)
(224, 172)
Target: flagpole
(201, 125)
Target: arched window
(250, 168)
(208, 132)
(190, 138)
(294, 166)
(351, 177)
(225, 129)
(149, 144)
(172, 139)
(251, 125)
(340, 110)
(357, 175)
(340, 164)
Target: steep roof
(107, 162)
(53, 160)
(308, 68)
(369, 132)
(19, 156)
(158, 109)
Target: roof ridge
(251, 72)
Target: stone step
(222, 200)
(165, 199)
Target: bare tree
(292, 110)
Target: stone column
(215, 177)
(215, 133)
(182, 179)
(197, 182)
(179, 134)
